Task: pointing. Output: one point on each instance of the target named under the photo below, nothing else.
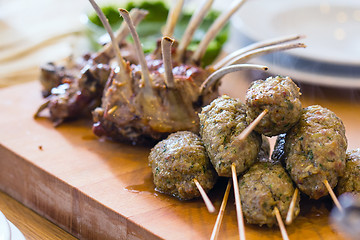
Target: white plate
(5, 233)
(326, 61)
(332, 27)
(9, 231)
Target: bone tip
(123, 10)
(169, 39)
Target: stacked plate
(332, 30)
(8, 231)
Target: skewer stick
(214, 29)
(215, 232)
(144, 68)
(290, 214)
(215, 76)
(239, 213)
(166, 44)
(333, 196)
(281, 224)
(252, 125)
(106, 24)
(256, 45)
(262, 51)
(172, 18)
(205, 197)
(194, 23)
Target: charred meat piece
(350, 182)
(266, 186)
(315, 150)
(278, 155)
(126, 113)
(221, 122)
(177, 161)
(76, 87)
(280, 96)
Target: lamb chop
(165, 92)
(76, 87)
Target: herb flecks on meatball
(264, 187)
(280, 96)
(177, 161)
(315, 150)
(221, 122)
(350, 182)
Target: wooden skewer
(239, 213)
(290, 214)
(215, 232)
(281, 224)
(333, 196)
(252, 125)
(205, 197)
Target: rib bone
(256, 45)
(166, 44)
(172, 18)
(262, 51)
(194, 23)
(106, 24)
(144, 68)
(137, 15)
(214, 77)
(214, 29)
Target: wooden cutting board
(103, 190)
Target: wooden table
(103, 190)
(32, 225)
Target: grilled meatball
(350, 182)
(280, 96)
(263, 187)
(221, 122)
(315, 150)
(176, 161)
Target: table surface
(32, 225)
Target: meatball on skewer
(315, 150)
(265, 190)
(220, 124)
(177, 161)
(350, 182)
(280, 97)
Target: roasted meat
(315, 150)
(177, 161)
(280, 96)
(221, 122)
